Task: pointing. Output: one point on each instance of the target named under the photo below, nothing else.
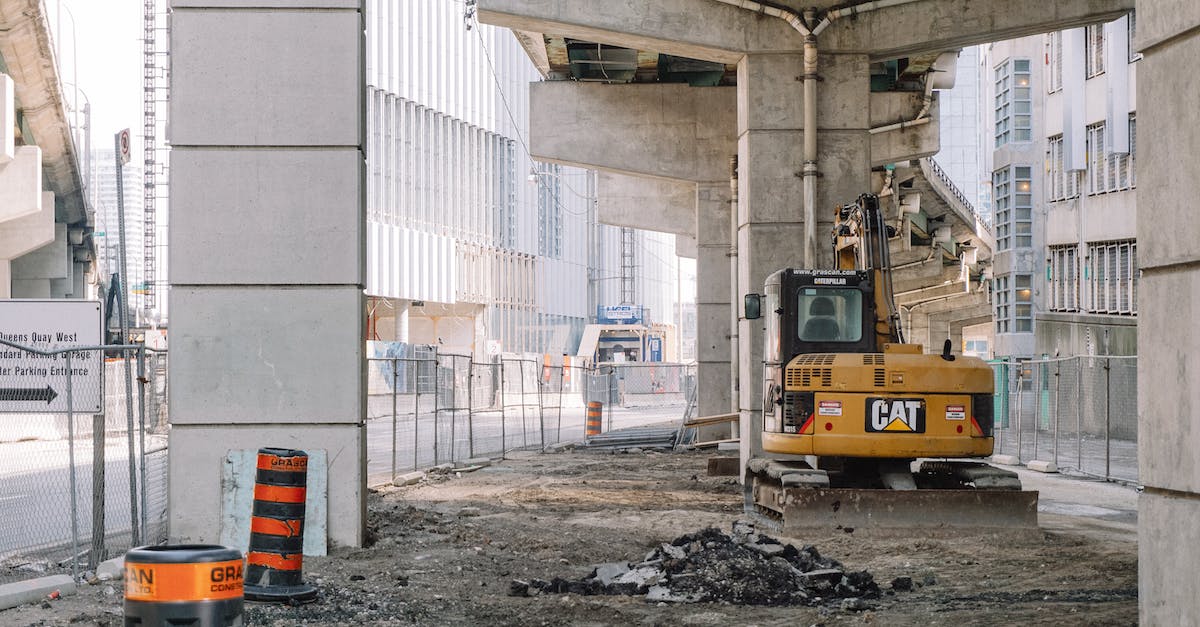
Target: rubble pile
(745, 568)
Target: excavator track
(791, 498)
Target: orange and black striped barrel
(595, 410)
(189, 584)
(275, 561)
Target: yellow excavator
(859, 429)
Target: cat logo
(895, 415)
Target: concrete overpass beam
(21, 184)
(643, 203)
(266, 335)
(668, 131)
(908, 142)
(686, 28)
(50, 261)
(28, 233)
(935, 25)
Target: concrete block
(31, 288)
(1006, 460)
(713, 322)
(297, 215)
(21, 184)
(33, 590)
(482, 462)
(1042, 466)
(251, 77)
(8, 119)
(237, 499)
(198, 455)
(1168, 398)
(47, 262)
(408, 478)
(685, 246)
(728, 446)
(23, 235)
(261, 355)
(111, 569)
(713, 274)
(1168, 549)
(714, 391)
(724, 466)
(1162, 176)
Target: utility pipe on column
(802, 25)
(735, 297)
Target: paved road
(460, 436)
(35, 502)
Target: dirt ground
(446, 551)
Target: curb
(28, 591)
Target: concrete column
(712, 300)
(268, 247)
(1169, 254)
(400, 319)
(770, 227)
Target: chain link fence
(426, 408)
(1078, 412)
(83, 460)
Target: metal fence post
(98, 552)
(1079, 411)
(142, 434)
(435, 415)
(1057, 395)
(524, 422)
(416, 414)
(541, 389)
(395, 434)
(1107, 420)
(561, 384)
(135, 535)
(470, 406)
(1020, 416)
(71, 461)
(1037, 404)
(503, 405)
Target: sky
(108, 34)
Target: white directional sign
(31, 382)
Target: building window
(549, 182)
(1113, 277)
(1061, 184)
(1000, 298)
(1108, 171)
(1013, 187)
(1095, 50)
(1134, 55)
(1023, 303)
(1014, 102)
(1064, 278)
(1054, 74)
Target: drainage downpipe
(810, 150)
(735, 305)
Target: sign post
(35, 383)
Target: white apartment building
(103, 196)
(471, 244)
(1063, 134)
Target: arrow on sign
(28, 394)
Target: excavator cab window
(828, 314)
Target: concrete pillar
(770, 227)
(713, 323)
(268, 247)
(1169, 254)
(400, 319)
